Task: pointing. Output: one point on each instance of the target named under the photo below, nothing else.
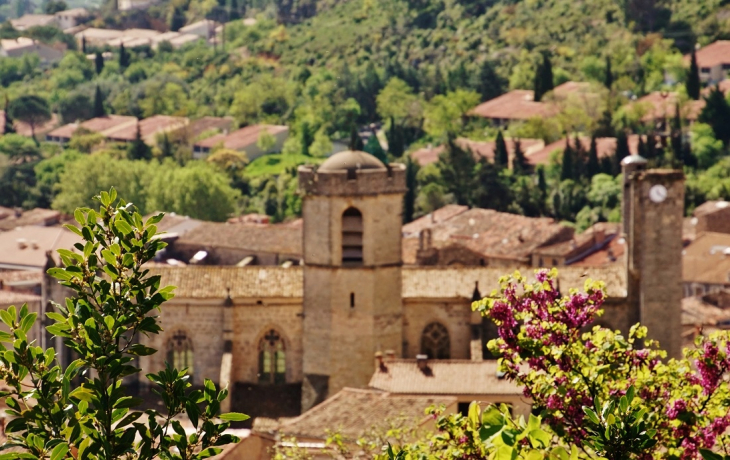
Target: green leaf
(710, 455)
(234, 417)
(123, 227)
(127, 401)
(592, 416)
(27, 322)
(209, 452)
(506, 453)
(623, 403)
(559, 453)
(630, 393)
(6, 318)
(540, 436)
(59, 451)
(140, 350)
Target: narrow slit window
(352, 230)
(352, 300)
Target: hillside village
(329, 219)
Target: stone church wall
(455, 316)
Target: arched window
(351, 237)
(435, 342)
(272, 358)
(180, 352)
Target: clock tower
(653, 209)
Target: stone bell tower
(352, 210)
(653, 208)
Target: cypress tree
(566, 171)
(177, 19)
(409, 199)
(374, 148)
(306, 136)
(396, 142)
(579, 159)
(9, 126)
(641, 147)
(622, 151)
(123, 57)
(83, 44)
(717, 114)
(519, 162)
(99, 62)
(99, 110)
(438, 85)
(501, 156)
(459, 78)
(166, 148)
(693, 78)
(457, 167)
(542, 188)
(543, 78)
(592, 166)
(137, 149)
(355, 140)
(608, 79)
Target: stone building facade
(287, 338)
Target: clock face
(658, 193)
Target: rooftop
(25, 247)
(274, 239)
(32, 20)
(663, 105)
(484, 149)
(698, 312)
(149, 128)
(442, 377)
(352, 411)
(242, 138)
(716, 53)
(350, 160)
(707, 259)
(10, 218)
(103, 125)
(519, 104)
(605, 146)
(711, 207)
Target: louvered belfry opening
(352, 237)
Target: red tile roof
(273, 239)
(483, 149)
(662, 105)
(101, 125)
(439, 215)
(515, 105)
(352, 412)
(443, 377)
(242, 138)
(149, 128)
(707, 259)
(606, 146)
(716, 53)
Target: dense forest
(329, 69)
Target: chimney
(599, 235)
(379, 365)
(22, 244)
(422, 362)
(389, 356)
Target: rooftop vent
(422, 362)
(22, 243)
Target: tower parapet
(352, 178)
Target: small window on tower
(352, 300)
(352, 237)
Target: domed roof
(634, 159)
(351, 160)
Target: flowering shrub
(599, 394)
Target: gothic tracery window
(180, 352)
(272, 358)
(435, 341)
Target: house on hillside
(520, 105)
(713, 61)
(126, 5)
(27, 21)
(605, 147)
(23, 45)
(204, 28)
(149, 128)
(660, 107)
(244, 140)
(480, 149)
(69, 19)
(105, 126)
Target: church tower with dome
(352, 307)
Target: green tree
(608, 78)
(98, 62)
(716, 113)
(75, 107)
(197, 190)
(48, 173)
(593, 167)
(520, 164)
(374, 148)
(693, 84)
(501, 155)
(447, 114)
(456, 166)
(138, 149)
(30, 109)
(396, 139)
(99, 110)
(9, 127)
(124, 59)
(101, 323)
(397, 102)
(490, 188)
(54, 6)
(622, 151)
(488, 83)
(543, 78)
(409, 199)
(567, 164)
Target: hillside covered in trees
(414, 68)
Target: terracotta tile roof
(21, 277)
(583, 244)
(484, 149)
(175, 224)
(606, 146)
(353, 411)
(199, 126)
(716, 53)
(8, 298)
(23, 128)
(515, 105)
(212, 282)
(710, 207)
(707, 259)
(37, 216)
(442, 377)
(496, 234)
(96, 34)
(661, 105)
(26, 247)
(103, 125)
(149, 128)
(439, 215)
(32, 20)
(448, 283)
(274, 239)
(242, 138)
(610, 255)
(697, 312)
